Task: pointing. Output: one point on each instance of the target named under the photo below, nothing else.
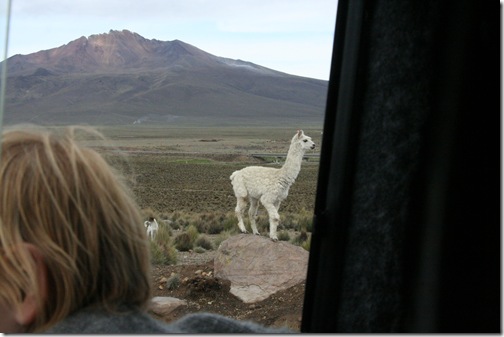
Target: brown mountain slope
(123, 78)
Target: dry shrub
(300, 239)
(284, 236)
(306, 245)
(183, 242)
(161, 249)
(204, 243)
(208, 217)
(202, 226)
(163, 253)
(262, 225)
(305, 220)
(173, 282)
(175, 225)
(229, 222)
(149, 212)
(182, 223)
(215, 227)
(165, 216)
(193, 233)
(164, 233)
(303, 236)
(199, 250)
(176, 215)
(288, 221)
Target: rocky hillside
(122, 78)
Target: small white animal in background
(152, 228)
(268, 185)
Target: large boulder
(258, 267)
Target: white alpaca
(152, 228)
(268, 185)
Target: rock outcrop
(164, 305)
(257, 267)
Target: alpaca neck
(292, 165)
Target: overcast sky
(293, 36)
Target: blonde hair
(66, 200)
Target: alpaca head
(302, 141)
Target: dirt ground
(204, 293)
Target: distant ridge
(120, 78)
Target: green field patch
(193, 161)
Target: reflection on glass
(4, 41)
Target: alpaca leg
(274, 219)
(254, 205)
(241, 203)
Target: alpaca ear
(300, 133)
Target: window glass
(190, 92)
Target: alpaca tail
(238, 184)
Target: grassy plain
(187, 169)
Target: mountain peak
(112, 51)
(116, 34)
(123, 51)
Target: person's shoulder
(213, 323)
(99, 321)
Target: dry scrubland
(181, 177)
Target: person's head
(71, 234)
